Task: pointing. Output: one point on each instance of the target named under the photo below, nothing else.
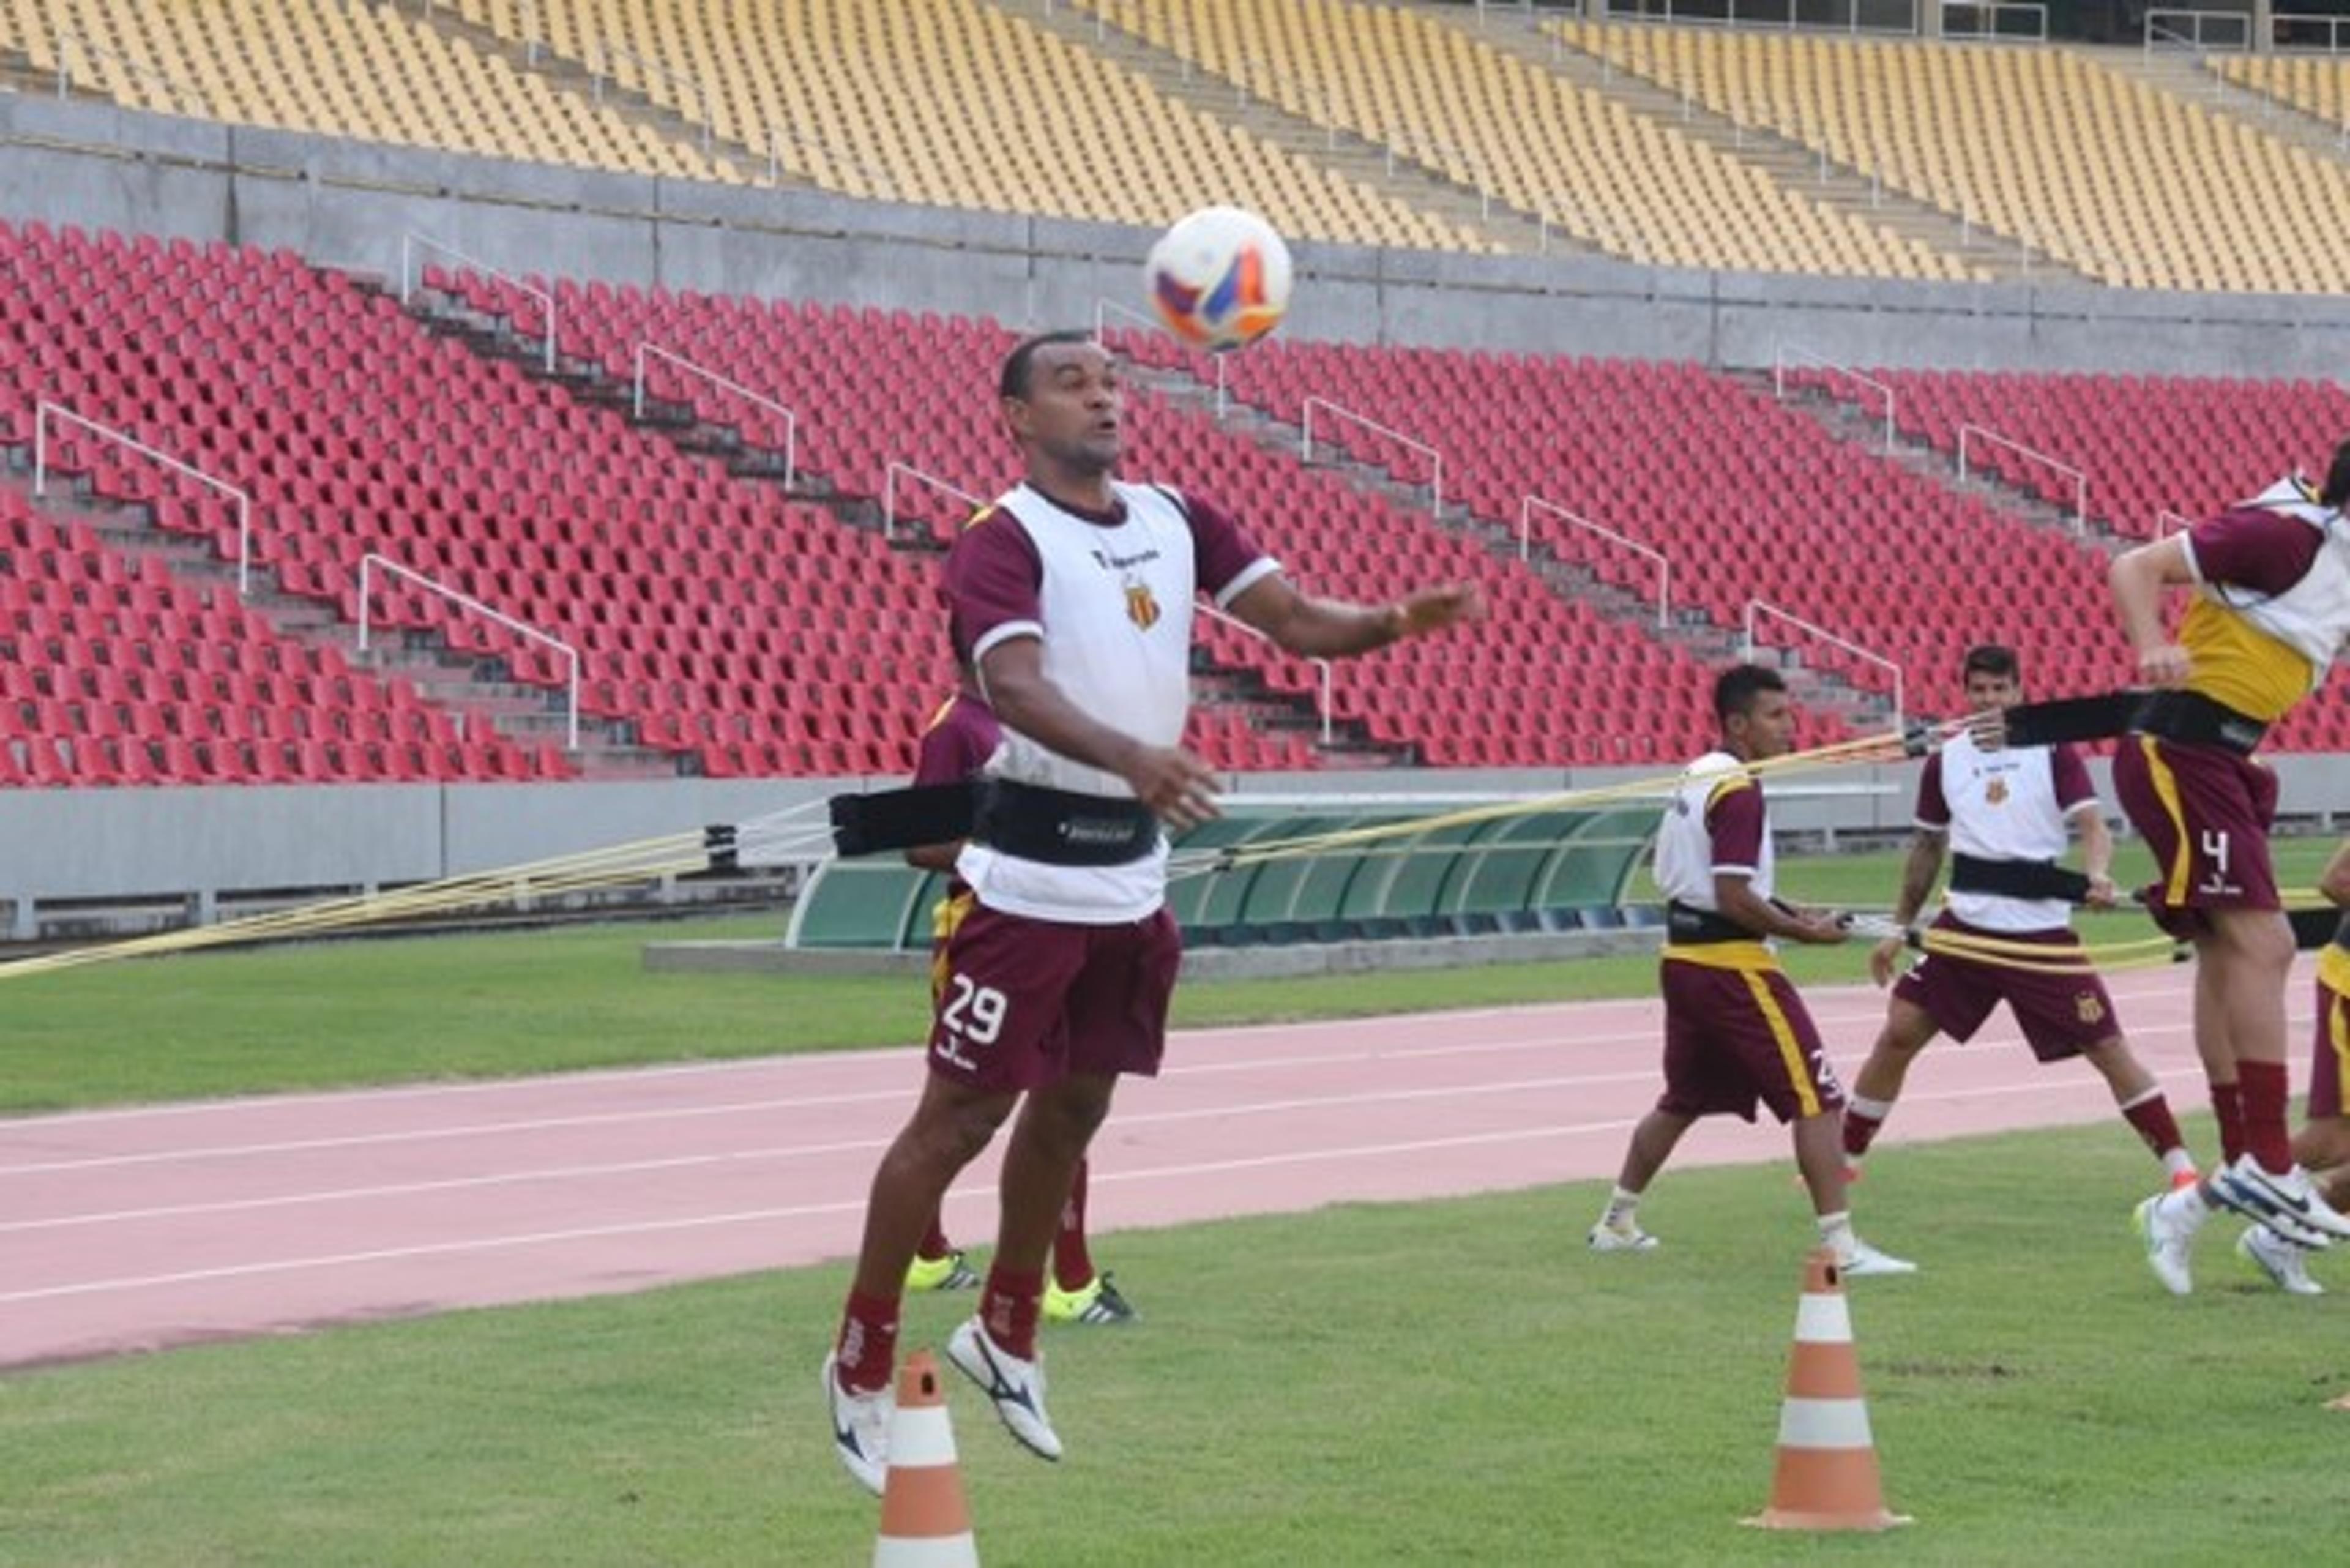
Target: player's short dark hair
(2337, 478)
(1993, 659)
(1016, 378)
(1736, 688)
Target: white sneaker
(1016, 1386)
(2279, 1260)
(1626, 1237)
(860, 1427)
(2288, 1204)
(2167, 1237)
(1860, 1261)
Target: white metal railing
(1321, 666)
(411, 241)
(2080, 480)
(1785, 15)
(2299, 20)
(1990, 25)
(1435, 457)
(601, 57)
(2162, 29)
(889, 477)
(1782, 350)
(44, 411)
(179, 93)
(370, 564)
(1758, 609)
(1534, 504)
(2164, 519)
(648, 349)
(1104, 308)
(779, 137)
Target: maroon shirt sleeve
(959, 743)
(993, 578)
(2070, 775)
(1933, 805)
(1221, 548)
(2254, 548)
(1734, 819)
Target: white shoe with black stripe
(2288, 1204)
(1014, 1386)
(860, 1427)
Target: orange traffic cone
(1827, 1477)
(925, 1523)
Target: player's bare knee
(2322, 1144)
(953, 1124)
(1070, 1112)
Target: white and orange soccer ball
(1219, 278)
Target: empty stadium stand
(952, 103)
(2158, 452)
(1745, 499)
(2114, 177)
(1494, 697)
(374, 72)
(749, 631)
(1546, 146)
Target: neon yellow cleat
(1097, 1303)
(947, 1273)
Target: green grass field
(1453, 1382)
(1431, 1383)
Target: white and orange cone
(1827, 1477)
(925, 1523)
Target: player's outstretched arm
(1334, 628)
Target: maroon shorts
(2062, 1015)
(1019, 1002)
(2206, 812)
(1735, 1036)
(2330, 1060)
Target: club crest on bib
(1996, 791)
(1141, 607)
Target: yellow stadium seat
(2010, 138)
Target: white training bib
(1116, 604)
(2003, 806)
(1685, 864)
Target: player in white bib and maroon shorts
(958, 743)
(1071, 597)
(2004, 814)
(1736, 1033)
(2271, 613)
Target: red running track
(145, 1228)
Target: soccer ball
(1219, 278)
